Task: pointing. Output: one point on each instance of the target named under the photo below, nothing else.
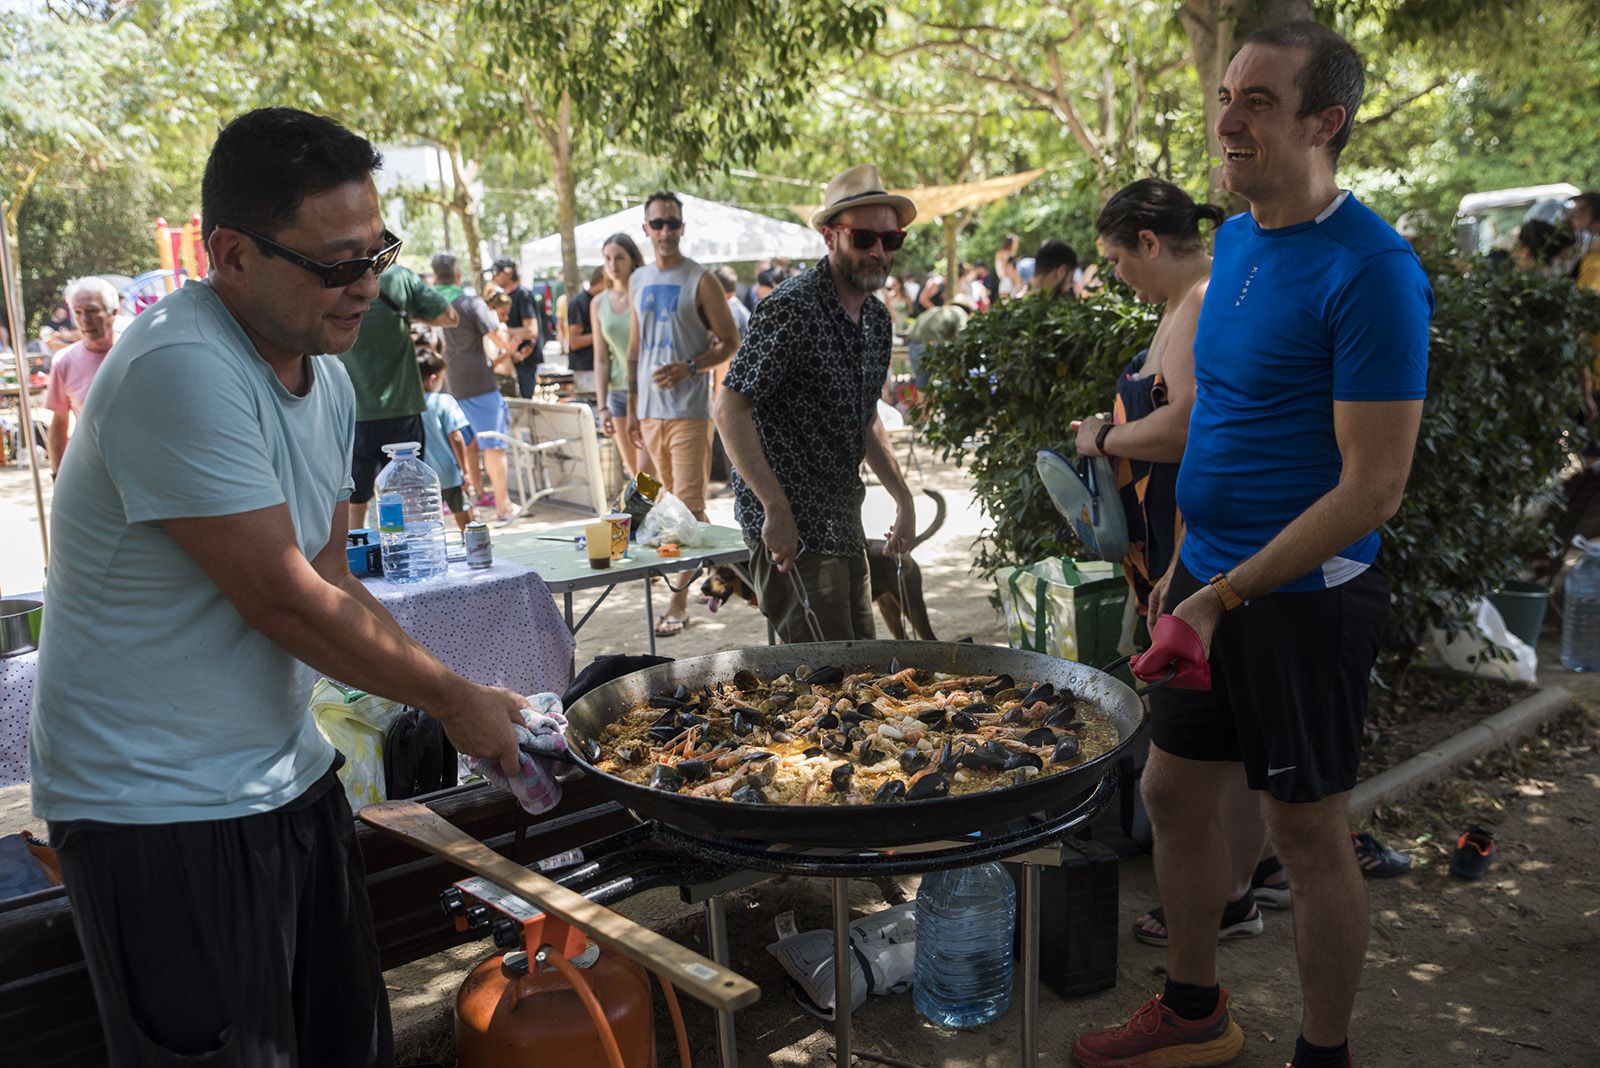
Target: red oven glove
(1174, 644)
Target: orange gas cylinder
(509, 1018)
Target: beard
(861, 271)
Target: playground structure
(182, 255)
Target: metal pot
(895, 823)
(19, 625)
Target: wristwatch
(694, 365)
(1100, 438)
(1225, 591)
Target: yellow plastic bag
(356, 723)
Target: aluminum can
(476, 537)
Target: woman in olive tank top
(613, 313)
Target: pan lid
(1085, 494)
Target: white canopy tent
(712, 233)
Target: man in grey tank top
(681, 329)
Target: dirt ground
(1494, 972)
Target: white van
(1483, 218)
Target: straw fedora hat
(860, 187)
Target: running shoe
(1157, 1037)
(1475, 851)
(1378, 859)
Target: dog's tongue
(713, 604)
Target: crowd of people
(200, 519)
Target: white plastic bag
(669, 520)
(1474, 650)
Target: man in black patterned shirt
(798, 413)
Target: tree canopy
(546, 113)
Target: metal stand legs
(841, 973)
(1029, 962)
(717, 943)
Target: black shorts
(453, 499)
(1288, 690)
(367, 458)
(239, 943)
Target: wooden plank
(689, 971)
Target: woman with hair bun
(1150, 233)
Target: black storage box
(1077, 919)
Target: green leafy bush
(1011, 382)
(1505, 356)
(1504, 360)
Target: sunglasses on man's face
(665, 224)
(341, 273)
(865, 239)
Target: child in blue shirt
(445, 427)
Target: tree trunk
(952, 265)
(466, 211)
(1215, 28)
(566, 194)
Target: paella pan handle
(559, 758)
(1172, 673)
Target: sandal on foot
(1240, 919)
(1475, 851)
(669, 626)
(1268, 895)
(1378, 859)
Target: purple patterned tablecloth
(498, 626)
(16, 699)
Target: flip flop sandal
(670, 626)
(1240, 919)
(1475, 851)
(1377, 859)
(1270, 896)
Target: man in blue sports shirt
(1310, 367)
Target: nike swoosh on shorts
(1279, 771)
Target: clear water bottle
(1580, 611)
(410, 522)
(964, 925)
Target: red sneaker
(1157, 1037)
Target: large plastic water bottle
(964, 924)
(410, 523)
(1580, 611)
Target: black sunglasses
(865, 239)
(665, 224)
(334, 275)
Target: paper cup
(621, 524)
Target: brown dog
(723, 583)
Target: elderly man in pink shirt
(93, 302)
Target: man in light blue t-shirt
(199, 582)
(1310, 361)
